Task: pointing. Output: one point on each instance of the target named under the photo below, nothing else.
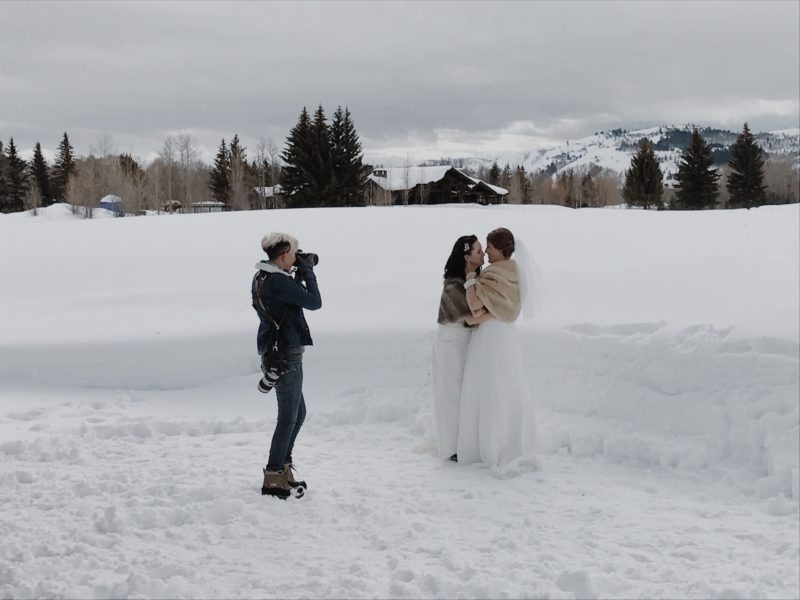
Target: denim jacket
(284, 297)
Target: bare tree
(85, 187)
(33, 199)
(239, 191)
(130, 184)
(424, 193)
(168, 157)
(547, 189)
(724, 195)
(262, 169)
(274, 153)
(519, 187)
(155, 174)
(406, 180)
(104, 145)
(782, 181)
(608, 188)
(268, 169)
(188, 154)
(137, 199)
(566, 189)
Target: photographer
(279, 299)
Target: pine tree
(746, 180)
(697, 179)
(3, 181)
(17, 181)
(494, 174)
(567, 181)
(588, 190)
(346, 160)
(505, 177)
(320, 167)
(296, 156)
(644, 181)
(522, 184)
(238, 174)
(130, 167)
(63, 169)
(218, 181)
(40, 176)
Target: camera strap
(258, 303)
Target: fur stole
(453, 304)
(498, 288)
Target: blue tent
(112, 203)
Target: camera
(273, 367)
(309, 256)
(268, 381)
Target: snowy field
(665, 367)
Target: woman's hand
(474, 303)
(482, 316)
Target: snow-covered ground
(665, 368)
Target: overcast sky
(421, 79)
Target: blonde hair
(276, 243)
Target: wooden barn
(428, 185)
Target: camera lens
(310, 256)
(269, 380)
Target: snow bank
(693, 400)
(55, 212)
(665, 370)
(668, 340)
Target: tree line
(588, 186)
(82, 181)
(26, 185)
(321, 164)
(697, 180)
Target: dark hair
(455, 265)
(502, 239)
(275, 251)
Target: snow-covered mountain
(613, 149)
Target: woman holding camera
(279, 299)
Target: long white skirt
(449, 353)
(496, 415)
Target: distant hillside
(613, 149)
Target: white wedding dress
(449, 355)
(496, 417)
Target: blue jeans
(291, 410)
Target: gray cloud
(425, 79)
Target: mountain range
(613, 150)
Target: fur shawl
(498, 289)
(453, 306)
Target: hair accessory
(466, 247)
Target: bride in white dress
(450, 344)
(496, 418)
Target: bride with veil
(496, 418)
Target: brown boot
(276, 484)
(288, 468)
